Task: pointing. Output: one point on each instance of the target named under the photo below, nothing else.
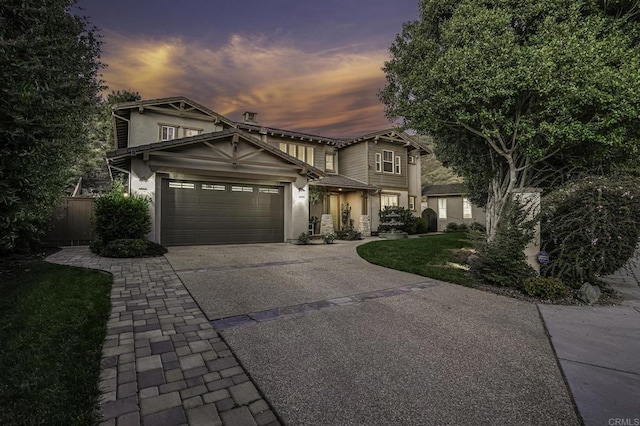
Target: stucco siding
(455, 211)
(145, 127)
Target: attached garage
(209, 212)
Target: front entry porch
(339, 203)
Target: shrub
(590, 227)
(349, 234)
(456, 227)
(477, 227)
(304, 238)
(547, 288)
(132, 247)
(121, 224)
(329, 238)
(501, 261)
(118, 216)
(421, 226)
(408, 221)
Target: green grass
(426, 256)
(52, 326)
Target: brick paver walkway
(163, 363)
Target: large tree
(49, 89)
(92, 167)
(520, 93)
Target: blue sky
(302, 65)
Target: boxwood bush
(545, 287)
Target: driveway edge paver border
(162, 361)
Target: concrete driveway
(357, 344)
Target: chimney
(249, 117)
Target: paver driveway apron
(429, 353)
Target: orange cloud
(332, 92)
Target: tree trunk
(499, 192)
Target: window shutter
(378, 162)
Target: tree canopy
(50, 84)
(520, 93)
(92, 166)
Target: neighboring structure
(214, 181)
(443, 204)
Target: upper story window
(168, 132)
(388, 162)
(467, 212)
(191, 132)
(301, 152)
(330, 162)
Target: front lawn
(52, 326)
(427, 256)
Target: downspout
(115, 135)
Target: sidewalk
(163, 363)
(598, 348)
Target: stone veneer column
(365, 226)
(326, 225)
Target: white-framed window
(388, 200)
(378, 162)
(467, 212)
(442, 208)
(191, 132)
(168, 132)
(301, 152)
(309, 157)
(182, 185)
(329, 162)
(387, 161)
(398, 169)
(412, 203)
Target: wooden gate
(71, 223)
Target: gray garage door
(220, 213)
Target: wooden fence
(71, 223)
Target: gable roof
(118, 155)
(179, 103)
(447, 189)
(390, 135)
(289, 134)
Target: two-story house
(211, 180)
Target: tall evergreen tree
(49, 85)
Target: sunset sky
(311, 66)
